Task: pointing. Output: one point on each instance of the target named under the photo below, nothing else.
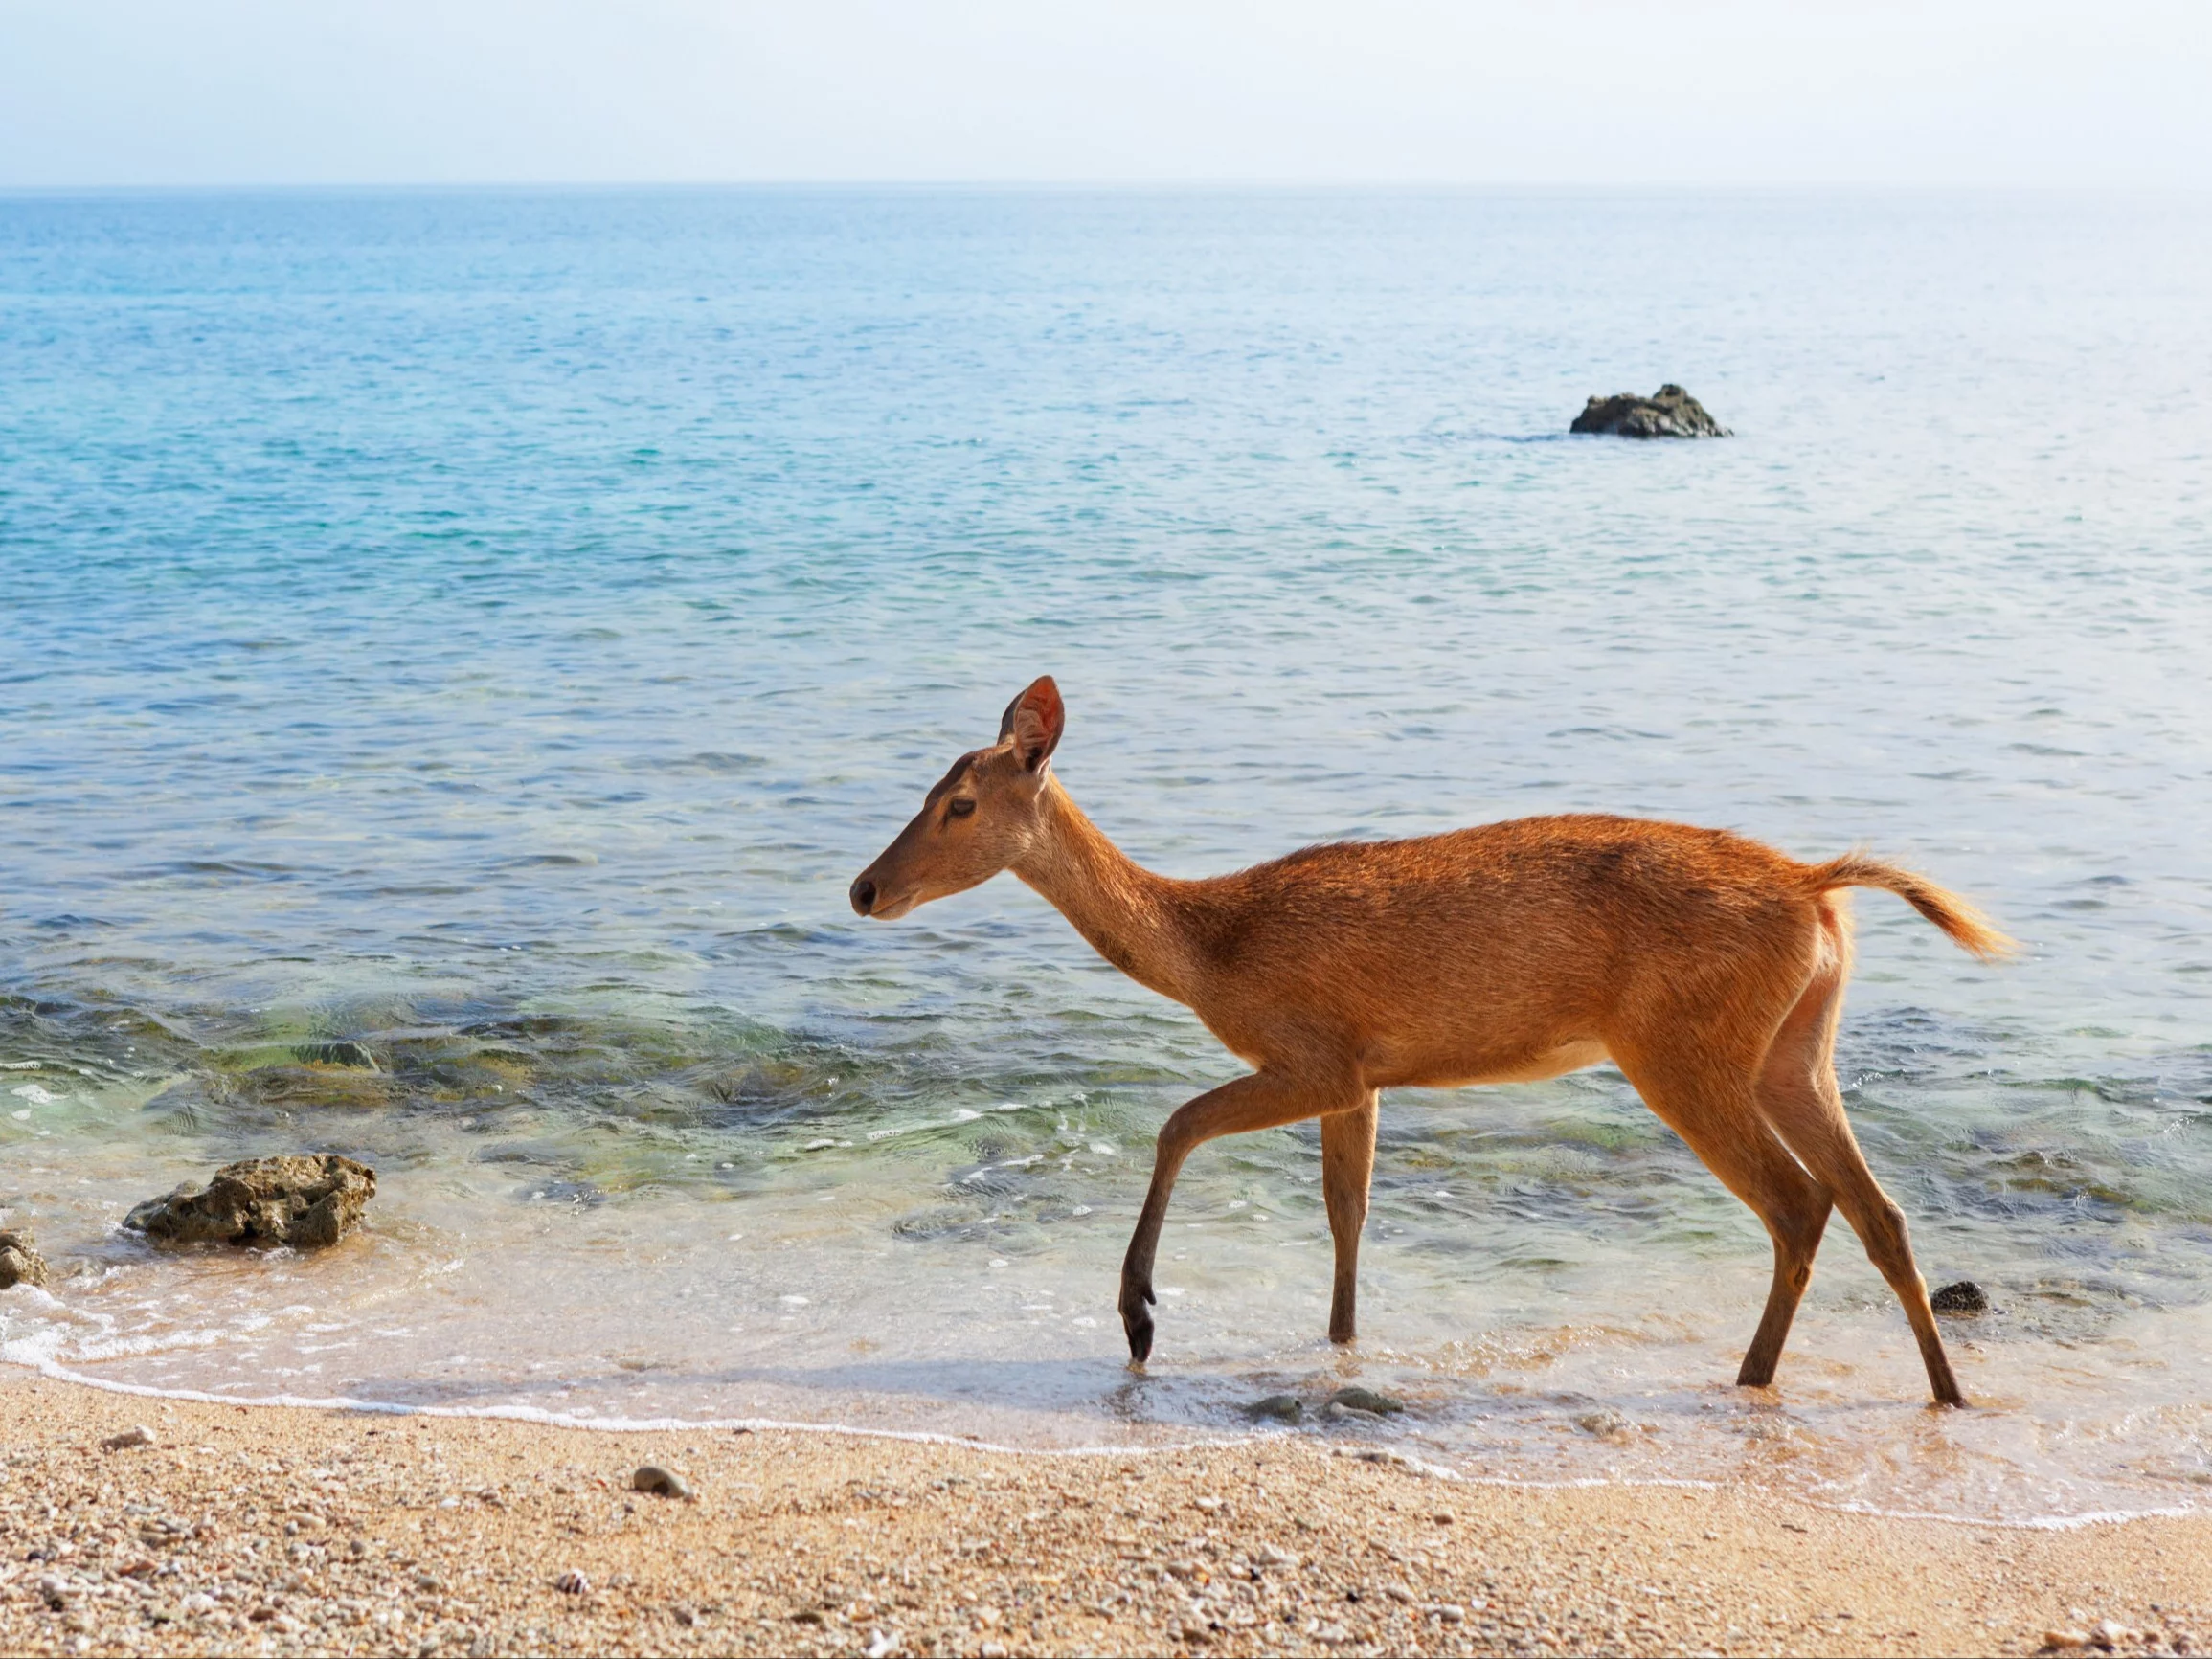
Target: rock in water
(1367, 1400)
(1670, 411)
(20, 1263)
(1282, 1407)
(305, 1203)
(1963, 1297)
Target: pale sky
(1936, 92)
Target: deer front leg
(1347, 1167)
(1264, 1100)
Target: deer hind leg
(1264, 1100)
(1713, 1105)
(1347, 1167)
(1799, 1098)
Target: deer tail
(1966, 927)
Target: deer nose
(863, 896)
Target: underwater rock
(20, 1263)
(306, 1202)
(1670, 411)
(343, 1053)
(1367, 1400)
(1604, 1421)
(1963, 1297)
(1281, 1407)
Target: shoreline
(287, 1529)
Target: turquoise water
(462, 644)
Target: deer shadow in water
(1708, 968)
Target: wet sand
(274, 1531)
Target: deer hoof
(1137, 1320)
(1139, 1329)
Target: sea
(461, 644)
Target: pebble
(1367, 1400)
(573, 1583)
(2066, 1641)
(1963, 1297)
(653, 1478)
(128, 1440)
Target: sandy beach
(261, 1530)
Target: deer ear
(1034, 720)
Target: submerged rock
(20, 1263)
(1367, 1400)
(306, 1202)
(1963, 1297)
(1670, 411)
(1281, 1407)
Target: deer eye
(960, 806)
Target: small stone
(20, 1263)
(1281, 1407)
(1367, 1400)
(128, 1440)
(1206, 1505)
(1443, 1517)
(992, 1650)
(666, 1483)
(684, 1616)
(2110, 1633)
(573, 1583)
(1273, 1557)
(1963, 1297)
(1447, 1612)
(2066, 1641)
(1605, 1422)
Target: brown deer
(1708, 968)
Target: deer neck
(1129, 915)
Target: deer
(1708, 966)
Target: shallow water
(463, 644)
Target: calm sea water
(461, 646)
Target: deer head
(982, 816)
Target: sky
(1536, 92)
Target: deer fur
(1708, 968)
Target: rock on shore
(305, 1203)
(1670, 411)
(20, 1263)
